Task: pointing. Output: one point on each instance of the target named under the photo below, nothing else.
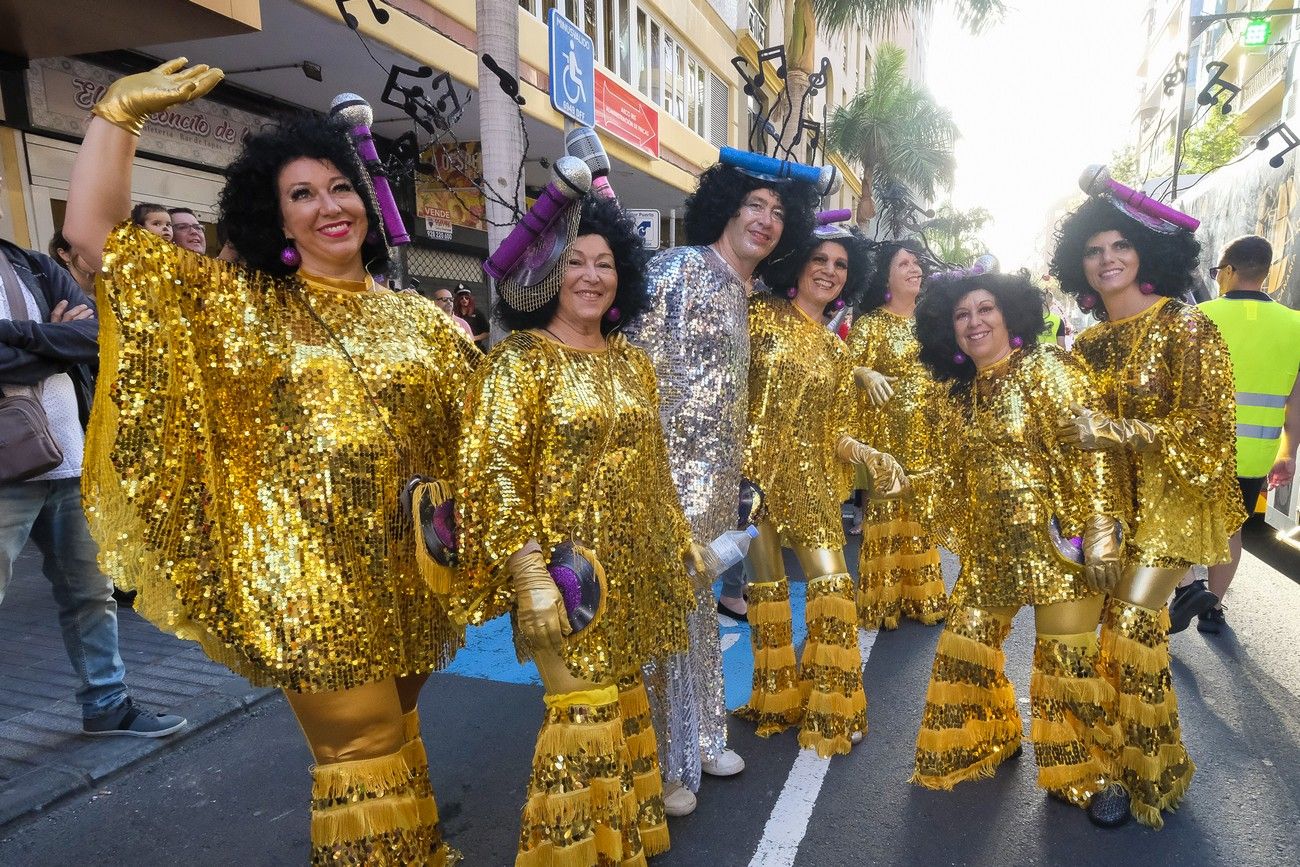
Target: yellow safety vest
(1053, 326)
(1263, 339)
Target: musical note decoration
(1288, 137)
(508, 83)
(1217, 86)
(1177, 75)
(817, 81)
(419, 107)
(381, 15)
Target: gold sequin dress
(998, 479)
(563, 444)
(1169, 367)
(801, 403)
(899, 572)
(238, 475)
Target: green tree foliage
(1210, 144)
(953, 234)
(1124, 166)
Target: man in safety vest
(1264, 340)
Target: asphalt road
(238, 795)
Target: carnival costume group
(269, 442)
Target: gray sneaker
(132, 721)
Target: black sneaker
(124, 598)
(1189, 602)
(132, 721)
(1109, 807)
(1212, 621)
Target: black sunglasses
(1214, 272)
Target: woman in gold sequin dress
(898, 567)
(995, 485)
(563, 444)
(800, 452)
(1165, 407)
(251, 429)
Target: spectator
(51, 348)
(154, 218)
(466, 309)
(443, 298)
(61, 252)
(1263, 339)
(187, 231)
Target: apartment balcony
(758, 24)
(1261, 93)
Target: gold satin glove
(539, 607)
(696, 560)
(129, 101)
(887, 479)
(1103, 555)
(1093, 431)
(879, 388)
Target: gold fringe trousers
(835, 704)
(776, 698)
(642, 747)
(1148, 757)
(899, 569)
(1070, 722)
(970, 724)
(581, 808)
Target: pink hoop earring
(838, 304)
(290, 256)
(612, 315)
(1017, 342)
(958, 358)
(1146, 288)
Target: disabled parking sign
(573, 70)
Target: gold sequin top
(801, 402)
(562, 445)
(1169, 367)
(999, 477)
(886, 343)
(239, 476)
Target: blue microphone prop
(826, 179)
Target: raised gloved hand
(539, 607)
(888, 481)
(1092, 431)
(879, 388)
(697, 563)
(129, 101)
(1102, 553)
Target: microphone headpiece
(537, 278)
(830, 181)
(1093, 180)
(584, 143)
(572, 177)
(352, 109)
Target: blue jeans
(50, 514)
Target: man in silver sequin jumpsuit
(697, 333)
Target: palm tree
(803, 18)
(896, 132)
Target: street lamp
(309, 69)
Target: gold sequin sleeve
(240, 476)
(800, 404)
(565, 445)
(1169, 367)
(887, 344)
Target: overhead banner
(451, 198)
(622, 113)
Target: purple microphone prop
(1096, 180)
(826, 179)
(356, 112)
(570, 179)
(825, 218)
(583, 142)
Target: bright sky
(1037, 98)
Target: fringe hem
(981, 770)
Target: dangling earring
(290, 256)
(889, 296)
(837, 304)
(958, 358)
(612, 314)
(1017, 342)
(1087, 301)
(791, 293)
(1146, 288)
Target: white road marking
(788, 822)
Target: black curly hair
(600, 216)
(1166, 261)
(142, 210)
(718, 196)
(1021, 303)
(250, 201)
(785, 274)
(873, 296)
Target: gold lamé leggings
(364, 722)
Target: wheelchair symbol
(573, 89)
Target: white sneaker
(727, 764)
(679, 800)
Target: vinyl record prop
(751, 503)
(1070, 550)
(581, 580)
(429, 506)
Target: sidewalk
(43, 756)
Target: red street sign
(621, 113)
